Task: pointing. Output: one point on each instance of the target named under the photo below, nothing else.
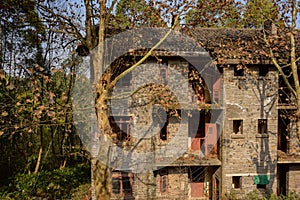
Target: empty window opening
(238, 126)
(263, 70)
(164, 131)
(262, 126)
(236, 182)
(196, 174)
(161, 118)
(261, 186)
(238, 70)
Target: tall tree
(211, 13)
(258, 11)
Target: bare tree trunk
(101, 175)
(38, 162)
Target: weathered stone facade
(248, 152)
(191, 161)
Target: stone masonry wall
(293, 177)
(248, 153)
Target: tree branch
(112, 84)
(286, 81)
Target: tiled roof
(222, 44)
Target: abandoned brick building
(227, 133)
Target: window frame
(117, 122)
(120, 177)
(262, 124)
(163, 181)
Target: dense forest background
(41, 154)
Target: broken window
(121, 126)
(238, 70)
(161, 118)
(122, 183)
(262, 126)
(163, 180)
(263, 70)
(236, 182)
(238, 126)
(164, 131)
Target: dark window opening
(121, 184)
(121, 126)
(164, 131)
(116, 185)
(261, 186)
(161, 117)
(263, 70)
(126, 185)
(238, 126)
(238, 71)
(262, 126)
(196, 174)
(237, 182)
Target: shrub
(49, 184)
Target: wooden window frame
(121, 176)
(119, 122)
(163, 176)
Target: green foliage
(211, 13)
(51, 184)
(256, 195)
(257, 12)
(136, 13)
